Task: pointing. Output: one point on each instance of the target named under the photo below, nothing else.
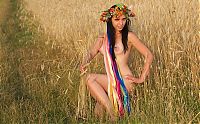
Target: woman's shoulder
(131, 34)
(132, 38)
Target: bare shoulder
(137, 43)
(132, 35)
(133, 38)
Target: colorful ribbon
(117, 91)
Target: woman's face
(118, 22)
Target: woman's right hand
(83, 68)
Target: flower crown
(116, 10)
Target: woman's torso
(121, 56)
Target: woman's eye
(116, 19)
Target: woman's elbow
(151, 56)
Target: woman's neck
(118, 34)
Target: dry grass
(48, 67)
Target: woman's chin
(119, 30)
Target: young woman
(111, 89)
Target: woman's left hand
(133, 79)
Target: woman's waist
(125, 70)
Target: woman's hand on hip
(134, 80)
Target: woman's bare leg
(97, 84)
(99, 110)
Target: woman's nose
(120, 22)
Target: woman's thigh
(102, 80)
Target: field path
(4, 11)
(10, 79)
(5, 8)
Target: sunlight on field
(56, 33)
(167, 28)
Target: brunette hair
(111, 36)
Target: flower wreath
(116, 10)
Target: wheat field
(40, 78)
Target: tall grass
(46, 40)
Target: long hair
(111, 35)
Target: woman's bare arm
(145, 52)
(92, 52)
